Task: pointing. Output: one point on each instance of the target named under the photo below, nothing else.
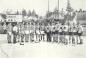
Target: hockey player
(26, 32)
(74, 37)
(60, 33)
(64, 33)
(70, 32)
(48, 31)
(79, 32)
(15, 33)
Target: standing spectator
(9, 33)
(4, 27)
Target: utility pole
(58, 9)
(58, 5)
(48, 6)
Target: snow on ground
(3, 39)
(43, 50)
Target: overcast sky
(40, 6)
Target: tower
(69, 8)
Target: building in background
(81, 17)
(13, 18)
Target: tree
(48, 14)
(17, 12)
(29, 13)
(24, 13)
(80, 10)
(69, 8)
(33, 13)
(3, 16)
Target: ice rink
(41, 50)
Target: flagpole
(58, 5)
(48, 5)
(58, 9)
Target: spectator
(9, 33)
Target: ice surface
(43, 50)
